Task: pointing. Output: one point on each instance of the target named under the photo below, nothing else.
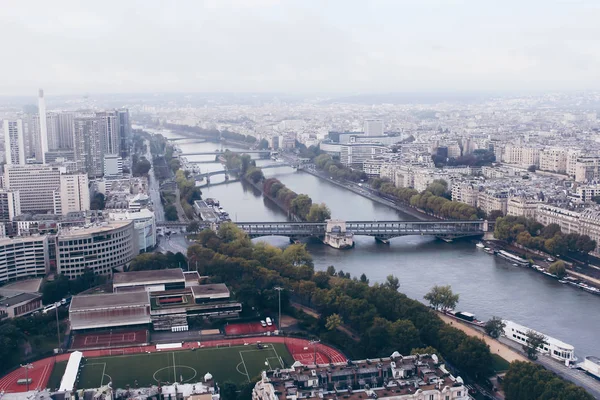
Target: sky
(322, 46)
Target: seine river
(487, 285)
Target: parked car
(263, 323)
(269, 321)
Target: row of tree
(188, 191)
(213, 134)
(336, 169)
(531, 234)
(300, 205)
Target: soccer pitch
(238, 364)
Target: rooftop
(20, 298)
(97, 228)
(210, 291)
(108, 300)
(148, 277)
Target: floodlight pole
(279, 289)
(314, 343)
(57, 325)
(27, 368)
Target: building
(144, 224)
(555, 348)
(74, 193)
(10, 205)
(355, 154)
(493, 200)
(60, 156)
(518, 206)
(111, 310)
(89, 135)
(465, 192)
(567, 220)
(53, 129)
(101, 248)
(111, 124)
(65, 133)
(418, 377)
(23, 257)
(113, 165)
(43, 126)
(14, 142)
(38, 186)
(373, 127)
(587, 169)
(20, 305)
(149, 281)
(553, 160)
(124, 132)
(589, 224)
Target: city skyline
(301, 47)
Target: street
(154, 189)
(176, 243)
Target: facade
(43, 127)
(586, 193)
(145, 226)
(10, 205)
(553, 160)
(567, 220)
(100, 248)
(23, 257)
(37, 185)
(465, 192)
(373, 127)
(396, 377)
(355, 154)
(124, 132)
(589, 224)
(111, 123)
(65, 133)
(53, 129)
(555, 348)
(20, 305)
(491, 200)
(587, 169)
(89, 135)
(74, 193)
(521, 207)
(113, 165)
(404, 177)
(14, 142)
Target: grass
(237, 364)
(56, 375)
(499, 364)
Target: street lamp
(56, 305)
(314, 343)
(27, 368)
(279, 289)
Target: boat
(554, 348)
(513, 259)
(480, 245)
(488, 250)
(562, 281)
(550, 275)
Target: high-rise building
(31, 132)
(37, 185)
(65, 133)
(373, 127)
(14, 142)
(43, 125)
(112, 141)
(10, 205)
(53, 129)
(89, 134)
(113, 165)
(23, 257)
(124, 132)
(74, 193)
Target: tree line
(213, 134)
(336, 169)
(300, 205)
(531, 234)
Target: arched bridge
(235, 170)
(382, 230)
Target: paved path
(496, 347)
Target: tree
(254, 175)
(193, 227)
(263, 144)
(301, 206)
(494, 327)
(364, 279)
(318, 213)
(228, 391)
(535, 340)
(532, 168)
(296, 255)
(171, 213)
(494, 215)
(97, 202)
(391, 282)
(141, 167)
(551, 230)
(333, 321)
(442, 297)
(558, 268)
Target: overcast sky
(298, 46)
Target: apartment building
(38, 186)
(14, 142)
(74, 193)
(493, 200)
(23, 257)
(553, 160)
(567, 220)
(587, 169)
(465, 192)
(518, 206)
(589, 224)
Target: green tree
(301, 206)
(318, 213)
(228, 390)
(141, 167)
(171, 213)
(442, 297)
(494, 327)
(495, 214)
(333, 321)
(255, 175)
(193, 227)
(558, 268)
(534, 340)
(392, 283)
(263, 144)
(296, 255)
(97, 202)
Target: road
(154, 189)
(175, 244)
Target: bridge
(196, 140)
(200, 177)
(218, 153)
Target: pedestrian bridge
(381, 230)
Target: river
(487, 285)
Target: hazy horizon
(301, 47)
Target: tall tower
(14, 142)
(43, 128)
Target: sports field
(237, 364)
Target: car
(269, 321)
(263, 323)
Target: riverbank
(366, 194)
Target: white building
(567, 220)
(43, 125)
(144, 224)
(38, 186)
(493, 200)
(14, 142)
(587, 169)
(10, 205)
(521, 207)
(553, 160)
(101, 248)
(23, 257)
(355, 154)
(74, 193)
(465, 192)
(113, 165)
(589, 224)
(373, 127)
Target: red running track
(248, 328)
(110, 339)
(301, 350)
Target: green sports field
(237, 364)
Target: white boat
(480, 245)
(513, 259)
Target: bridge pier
(382, 239)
